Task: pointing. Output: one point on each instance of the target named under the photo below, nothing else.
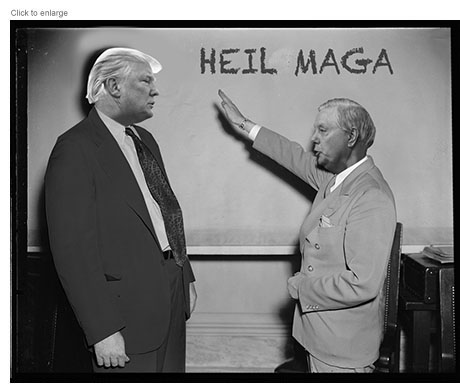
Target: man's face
(138, 92)
(330, 142)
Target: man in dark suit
(115, 226)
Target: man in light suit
(118, 246)
(345, 240)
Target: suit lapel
(326, 203)
(117, 168)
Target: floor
(236, 353)
(244, 354)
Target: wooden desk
(419, 301)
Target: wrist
(246, 125)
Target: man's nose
(314, 137)
(154, 90)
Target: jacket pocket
(112, 277)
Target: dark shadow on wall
(292, 180)
(81, 100)
(84, 107)
(41, 238)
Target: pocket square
(325, 222)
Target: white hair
(351, 114)
(114, 62)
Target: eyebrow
(148, 76)
(319, 125)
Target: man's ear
(353, 136)
(113, 87)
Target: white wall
(231, 197)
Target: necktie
(164, 196)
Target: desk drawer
(420, 276)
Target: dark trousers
(170, 356)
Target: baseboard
(237, 324)
(247, 250)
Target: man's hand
(293, 285)
(193, 297)
(110, 352)
(231, 111)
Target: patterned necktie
(164, 196)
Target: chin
(323, 164)
(320, 161)
(146, 115)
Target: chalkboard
(233, 197)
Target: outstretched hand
(231, 111)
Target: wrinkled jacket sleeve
(291, 156)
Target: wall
(234, 199)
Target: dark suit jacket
(104, 245)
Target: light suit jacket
(103, 242)
(345, 242)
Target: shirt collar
(342, 175)
(116, 129)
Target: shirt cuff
(254, 132)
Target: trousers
(318, 366)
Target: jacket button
(310, 268)
(317, 246)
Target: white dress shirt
(126, 145)
(340, 177)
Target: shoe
(294, 365)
